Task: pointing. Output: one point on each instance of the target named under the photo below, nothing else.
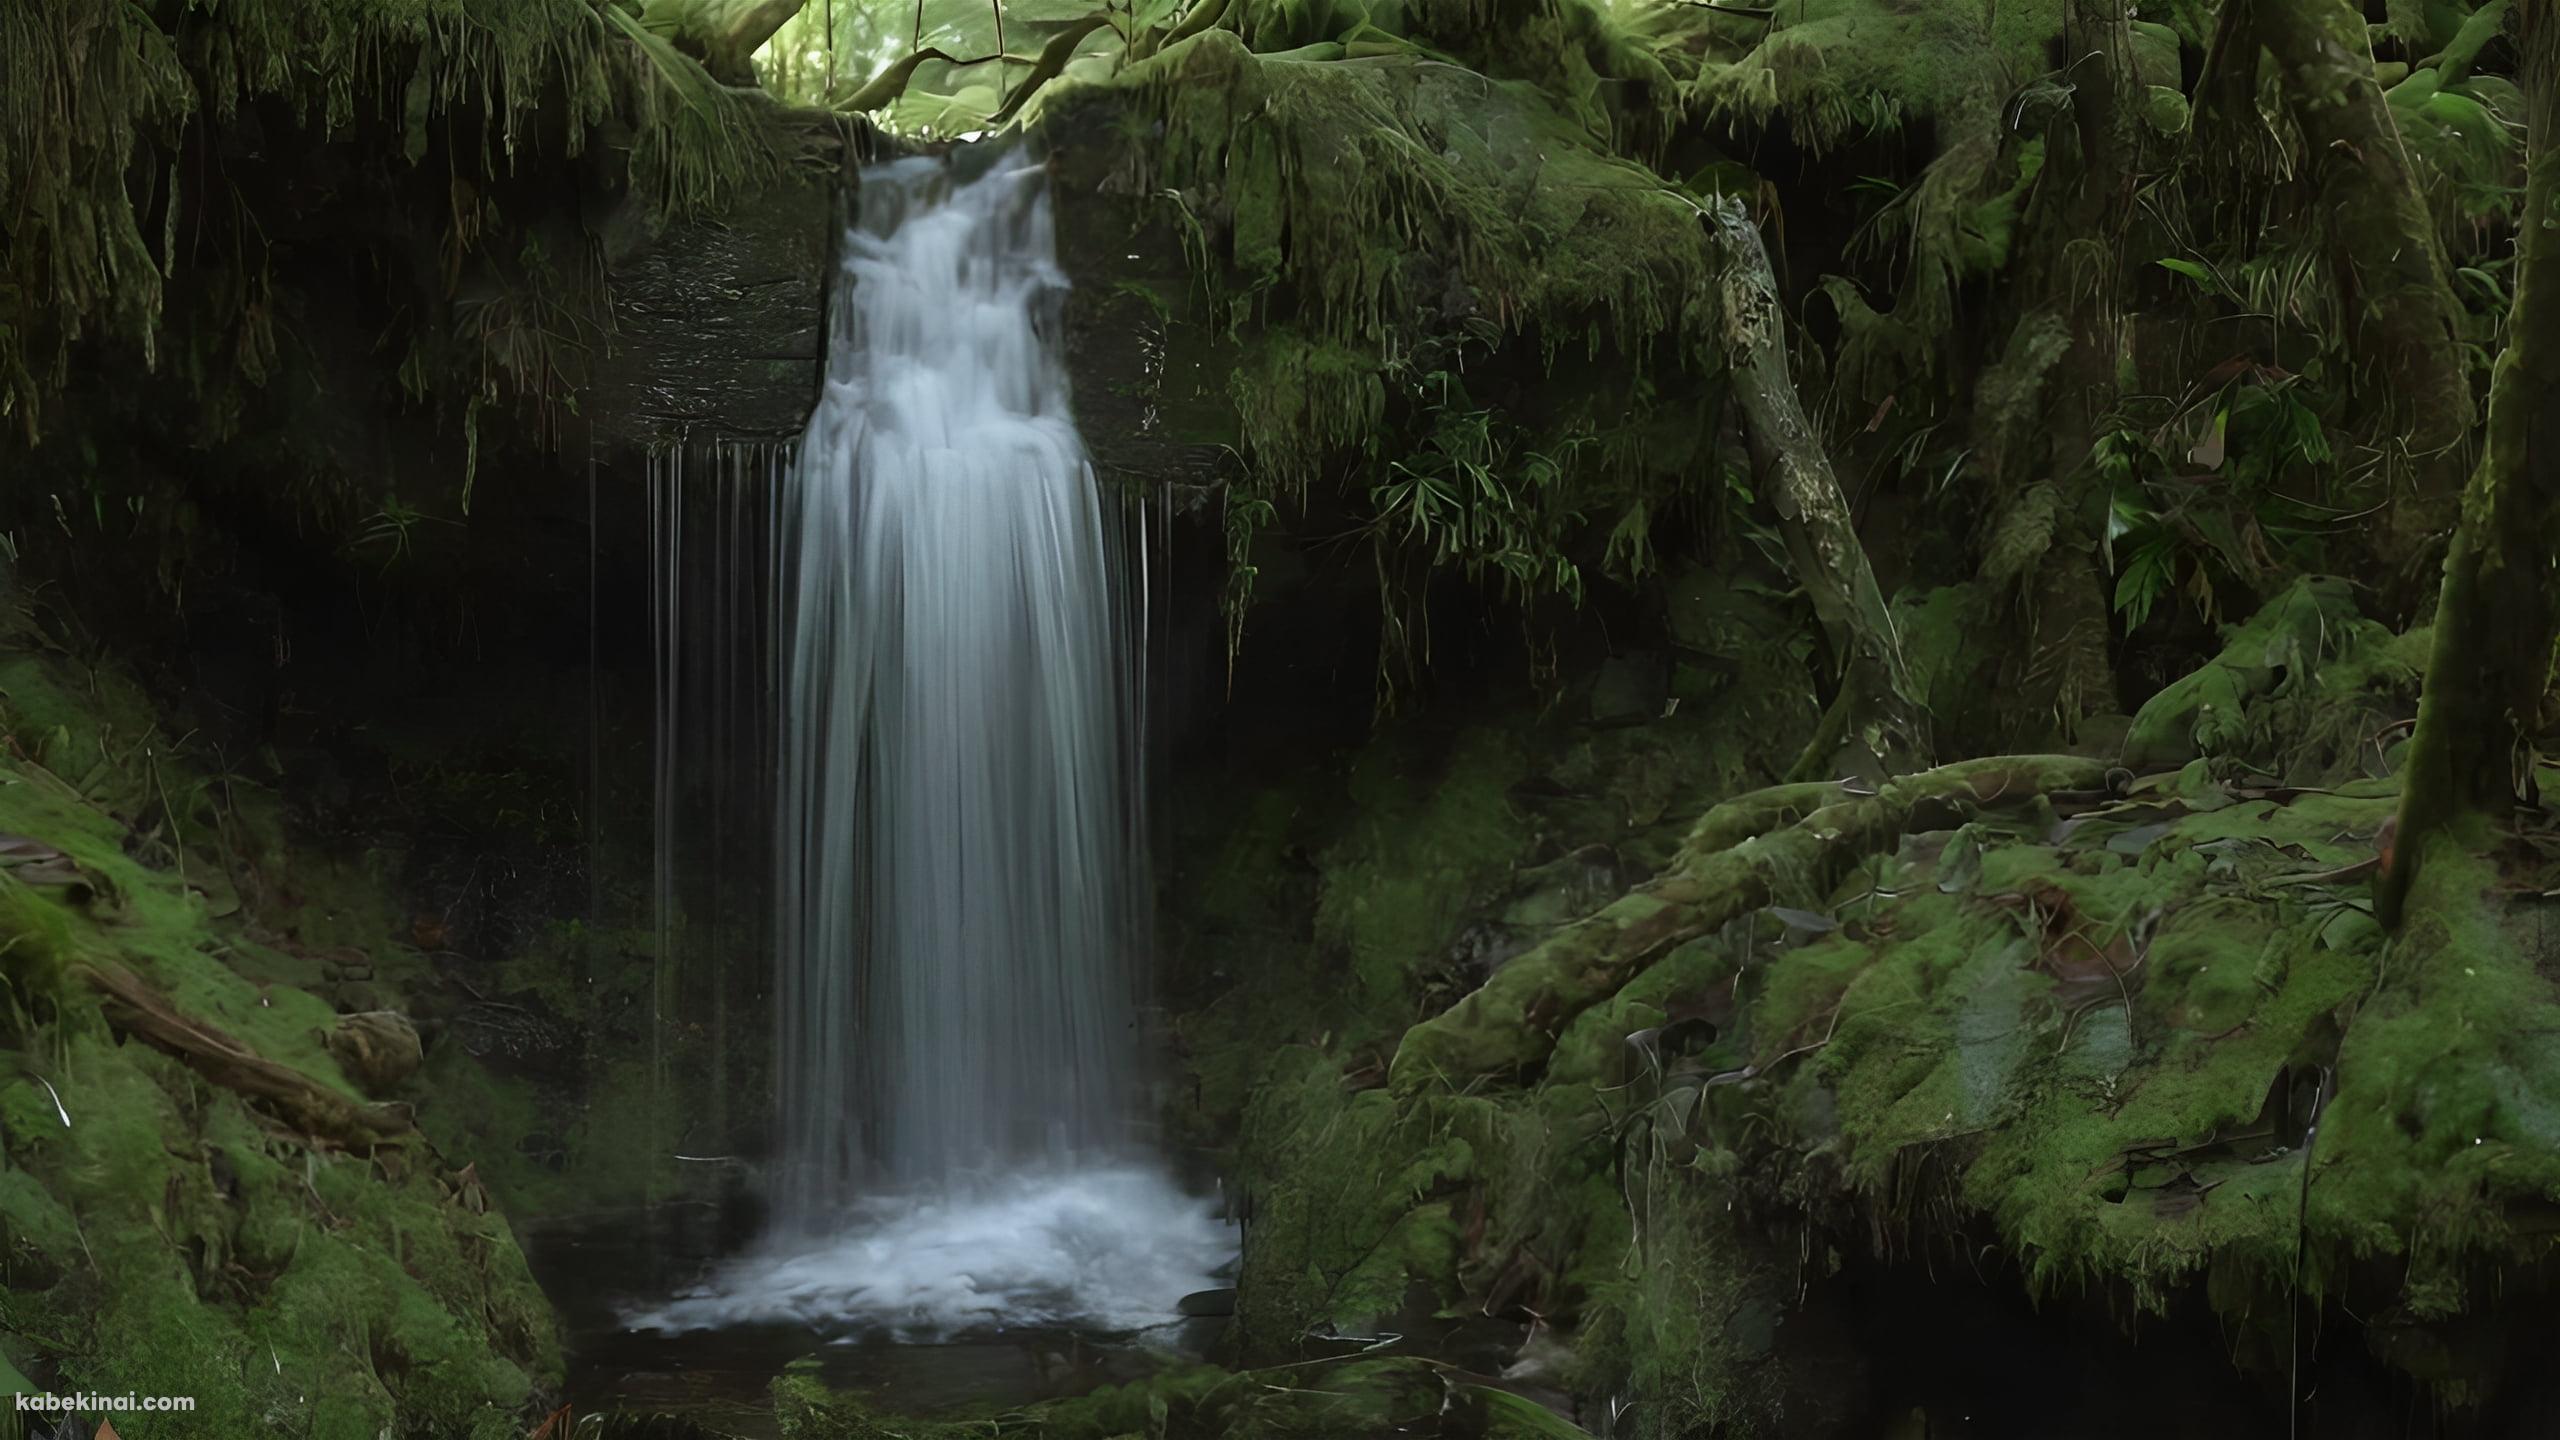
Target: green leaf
(2145, 579)
(2189, 268)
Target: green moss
(1836, 71)
(163, 1235)
(212, 1259)
(1427, 835)
(1595, 1048)
(2086, 1037)
(99, 93)
(1371, 230)
(2304, 676)
(1346, 1203)
(1701, 1319)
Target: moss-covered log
(1876, 707)
(2491, 664)
(135, 1008)
(2389, 265)
(1510, 1022)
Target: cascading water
(958, 849)
(959, 863)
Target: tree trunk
(2391, 273)
(1877, 708)
(2070, 283)
(2495, 617)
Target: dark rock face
(1150, 395)
(720, 323)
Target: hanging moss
(1834, 72)
(104, 98)
(1394, 195)
(1371, 225)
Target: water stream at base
(959, 858)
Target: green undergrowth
(1443, 293)
(1331, 912)
(1701, 1328)
(2149, 1044)
(2109, 1042)
(163, 1233)
(1341, 912)
(2301, 689)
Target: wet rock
(1205, 1304)
(719, 324)
(377, 1048)
(1151, 395)
(1629, 690)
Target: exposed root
(1511, 1021)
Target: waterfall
(959, 866)
(958, 844)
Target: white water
(959, 859)
(1107, 1249)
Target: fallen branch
(1511, 1021)
(886, 87)
(135, 1008)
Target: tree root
(1746, 817)
(135, 1008)
(1511, 1021)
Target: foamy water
(1112, 1249)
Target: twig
(2301, 1242)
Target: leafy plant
(2213, 495)
(390, 529)
(1467, 499)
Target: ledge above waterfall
(719, 322)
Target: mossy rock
(172, 1236)
(2292, 684)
